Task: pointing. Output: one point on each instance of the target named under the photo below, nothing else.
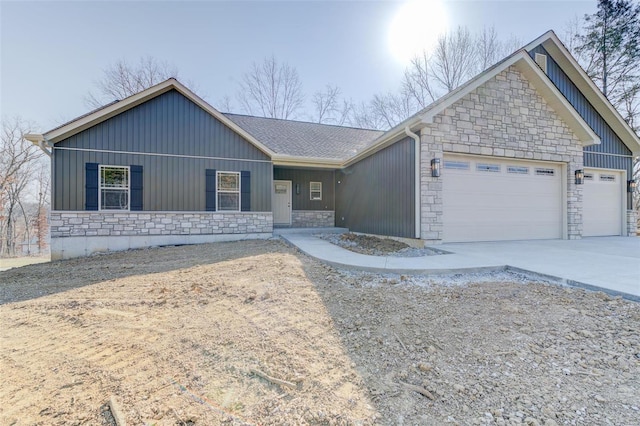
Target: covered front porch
(303, 198)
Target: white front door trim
(281, 201)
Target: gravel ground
(185, 335)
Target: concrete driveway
(610, 264)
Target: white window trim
(239, 191)
(107, 166)
(311, 191)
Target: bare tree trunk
(27, 229)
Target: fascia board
(389, 138)
(579, 77)
(84, 123)
(453, 97)
(112, 110)
(557, 101)
(292, 161)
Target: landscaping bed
(375, 246)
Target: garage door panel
(602, 203)
(482, 205)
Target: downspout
(416, 176)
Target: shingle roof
(303, 139)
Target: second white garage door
(492, 199)
(602, 203)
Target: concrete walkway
(610, 264)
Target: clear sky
(52, 52)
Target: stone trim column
(430, 187)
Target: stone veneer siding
(505, 117)
(313, 219)
(632, 223)
(101, 223)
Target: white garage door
(602, 203)
(491, 199)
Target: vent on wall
(541, 60)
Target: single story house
(528, 149)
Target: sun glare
(416, 27)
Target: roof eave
(132, 101)
(34, 138)
(315, 162)
(527, 66)
(579, 77)
(388, 138)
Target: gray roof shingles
(303, 139)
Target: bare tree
(18, 162)
(457, 57)
(224, 104)
(40, 222)
(363, 116)
(326, 104)
(329, 108)
(271, 89)
(123, 79)
(491, 49)
(417, 81)
(454, 58)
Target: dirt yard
(184, 335)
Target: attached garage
(496, 199)
(602, 203)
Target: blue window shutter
(210, 188)
(136, 188)
(245, 191)
(91, 186)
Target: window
(315, 189)
(114, 188)
(488, 167)
(540, 171)
(519, 170)
(229, 191)
(588, 176)
(608, 178)
(541, 60)
(456, 165)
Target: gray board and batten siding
(594, 155)
(175, 141)
(377, 194)
(302, 177)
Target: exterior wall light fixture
(579, 177)
(632, 185)
(435, 167)
(297, 189)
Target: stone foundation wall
(313, 219)
(632, 223)
(100, 223)
(505, 117)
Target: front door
(281, 202)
